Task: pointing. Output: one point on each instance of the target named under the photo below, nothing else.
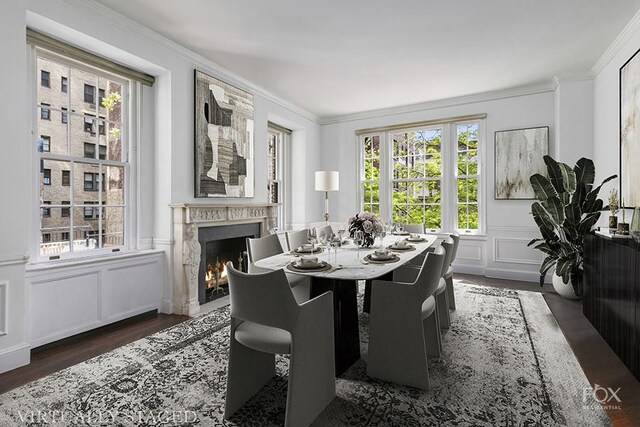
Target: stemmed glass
(383, 234)
(335, 244)
(312, 237)
(358, 239)
(322, 238)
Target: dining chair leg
(451, 296)
(443, 310)
(438, 328)
(432, 335)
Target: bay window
(426, 173)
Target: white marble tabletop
(348, 265)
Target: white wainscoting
(514, 250)
(4, 307)
(64, 300)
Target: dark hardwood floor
(598, 361)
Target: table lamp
(327, 181)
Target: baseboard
(166, 306)
(524, 276)
(15, 357)
(469, 269)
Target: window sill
(88, 260)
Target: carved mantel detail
(187, 218)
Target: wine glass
(312, 236)
(358, 239)
(335, 244)
(383, 234)
(322, 238)
(341, 232)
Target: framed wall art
(518, 155)
(630, 131)
(224, 163)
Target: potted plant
(567, 209)
(614, 207)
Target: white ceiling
(335, 57)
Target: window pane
(114, 185)
(86, 227)
(433, 217)
(83, 91)
(86, 183)
(114, 142)
(462, 190)
(53, 231)
(113, 227)
(473, 162)
(56, 131)
(51, 187)
(51, 93)
(371, 193)
(111, 103)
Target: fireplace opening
(221, 244)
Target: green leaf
(585, 171)
(541, 217)
(534, 241)
(542, 187)
(546, 248)
(563, 268)
(569, 178)
(555, 173)
(548, 262)
(554, 207)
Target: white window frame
(283, 140)
(131, 110)
(449, 199)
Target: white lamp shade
(327, 181)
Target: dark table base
(345, 318)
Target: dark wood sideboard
(612, 295)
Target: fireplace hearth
(221, 244)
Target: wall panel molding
(502, 255)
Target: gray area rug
(505, 363)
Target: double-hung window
(277, 143)
(425, 173)
(93, 166)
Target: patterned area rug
(505, 363)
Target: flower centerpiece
(366, 222)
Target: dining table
(346, 265)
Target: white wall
(14, 168)
(502, 252)
(166, 145)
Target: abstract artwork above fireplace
(224, 163)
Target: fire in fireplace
(221, 244)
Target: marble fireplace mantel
(187, 218)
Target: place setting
(381, 256)
(416, 238)
(402, 246)
(308, 263)
(307, 249)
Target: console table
(612, 295)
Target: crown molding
(441, 103)
(198, 60)
(625, 35)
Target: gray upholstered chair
(297, 238)
(448, 277)
(327, 230)
(414, 228)
(266, 320)
(404, 326)
(267, 246)
(442, 301)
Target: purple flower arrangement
(368, 224)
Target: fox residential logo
(606, 396)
